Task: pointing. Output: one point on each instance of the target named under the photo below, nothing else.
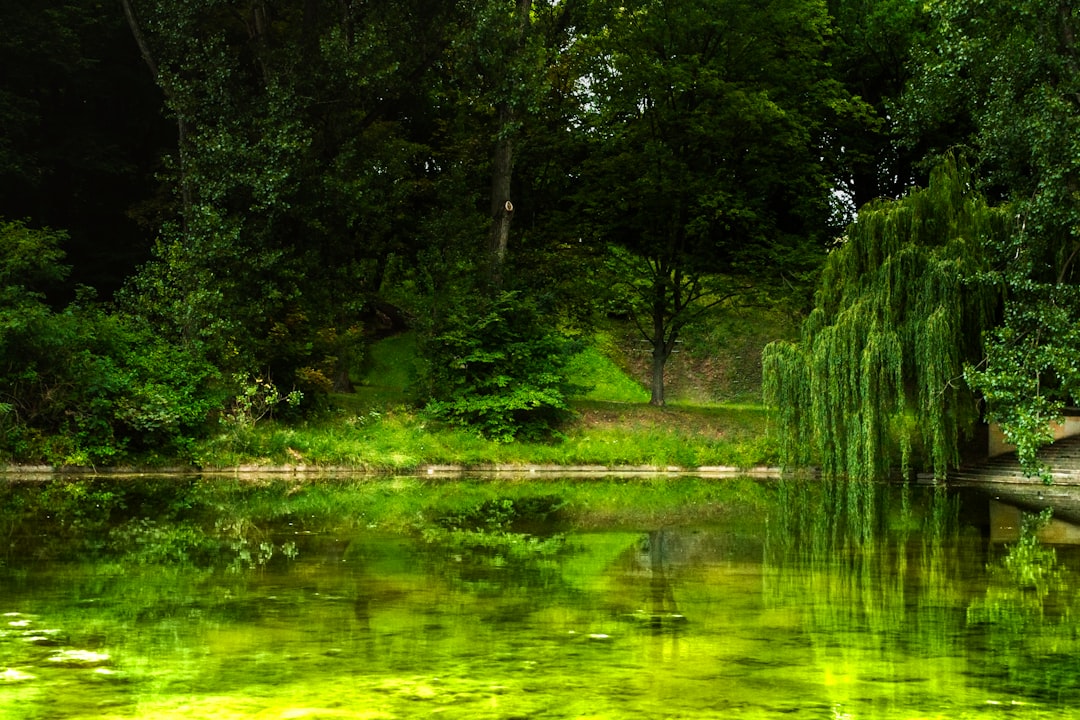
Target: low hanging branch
(901, 307)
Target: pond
(605, 598)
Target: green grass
(387, 372)
(391, 361)
(390, 365)
(375, 429)
(604, 380)
(608, 434)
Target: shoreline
(433, 471)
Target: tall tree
(707, 124)
(870, 52)
(549, 252)
(302, 167)
(511, 82)
(493, 354)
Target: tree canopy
(999, 80)
(251, 188)
(706, 127)
(1004, 79)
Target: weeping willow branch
(901, 307)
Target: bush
(497, 369)
(84, 385)
(102, 387)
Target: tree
(1010, 73)
(502, 164)
(901, 309)
(302, 169)
(493, 358)
(706, 124)
(869, 51)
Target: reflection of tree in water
(839, 554)
(663, 611)
(499, 549)
(879, 569)
(662, 552)
(645, 579)
(867, 549)
(1027, 617)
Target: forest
(210, 210)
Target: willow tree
(901, 309)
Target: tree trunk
(258, 27)
(347, 25)
(502, 166)
(502, 209)
(661, 349)
(181, 124)
(659, 359)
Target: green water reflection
(402, 598)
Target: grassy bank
(603, 433)
(377, 428)
(614, 426)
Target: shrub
(106, 386)
(84, 385)
(498, 369)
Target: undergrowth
(602, 434)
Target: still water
(647, 598)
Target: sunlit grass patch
(603, 380)
(375, 428)
(607, 434)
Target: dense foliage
(902, 306)
(707, 131)
(83, 386)
(497, 368)
(1009, 74)
(251, 192)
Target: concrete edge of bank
(433, 470)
